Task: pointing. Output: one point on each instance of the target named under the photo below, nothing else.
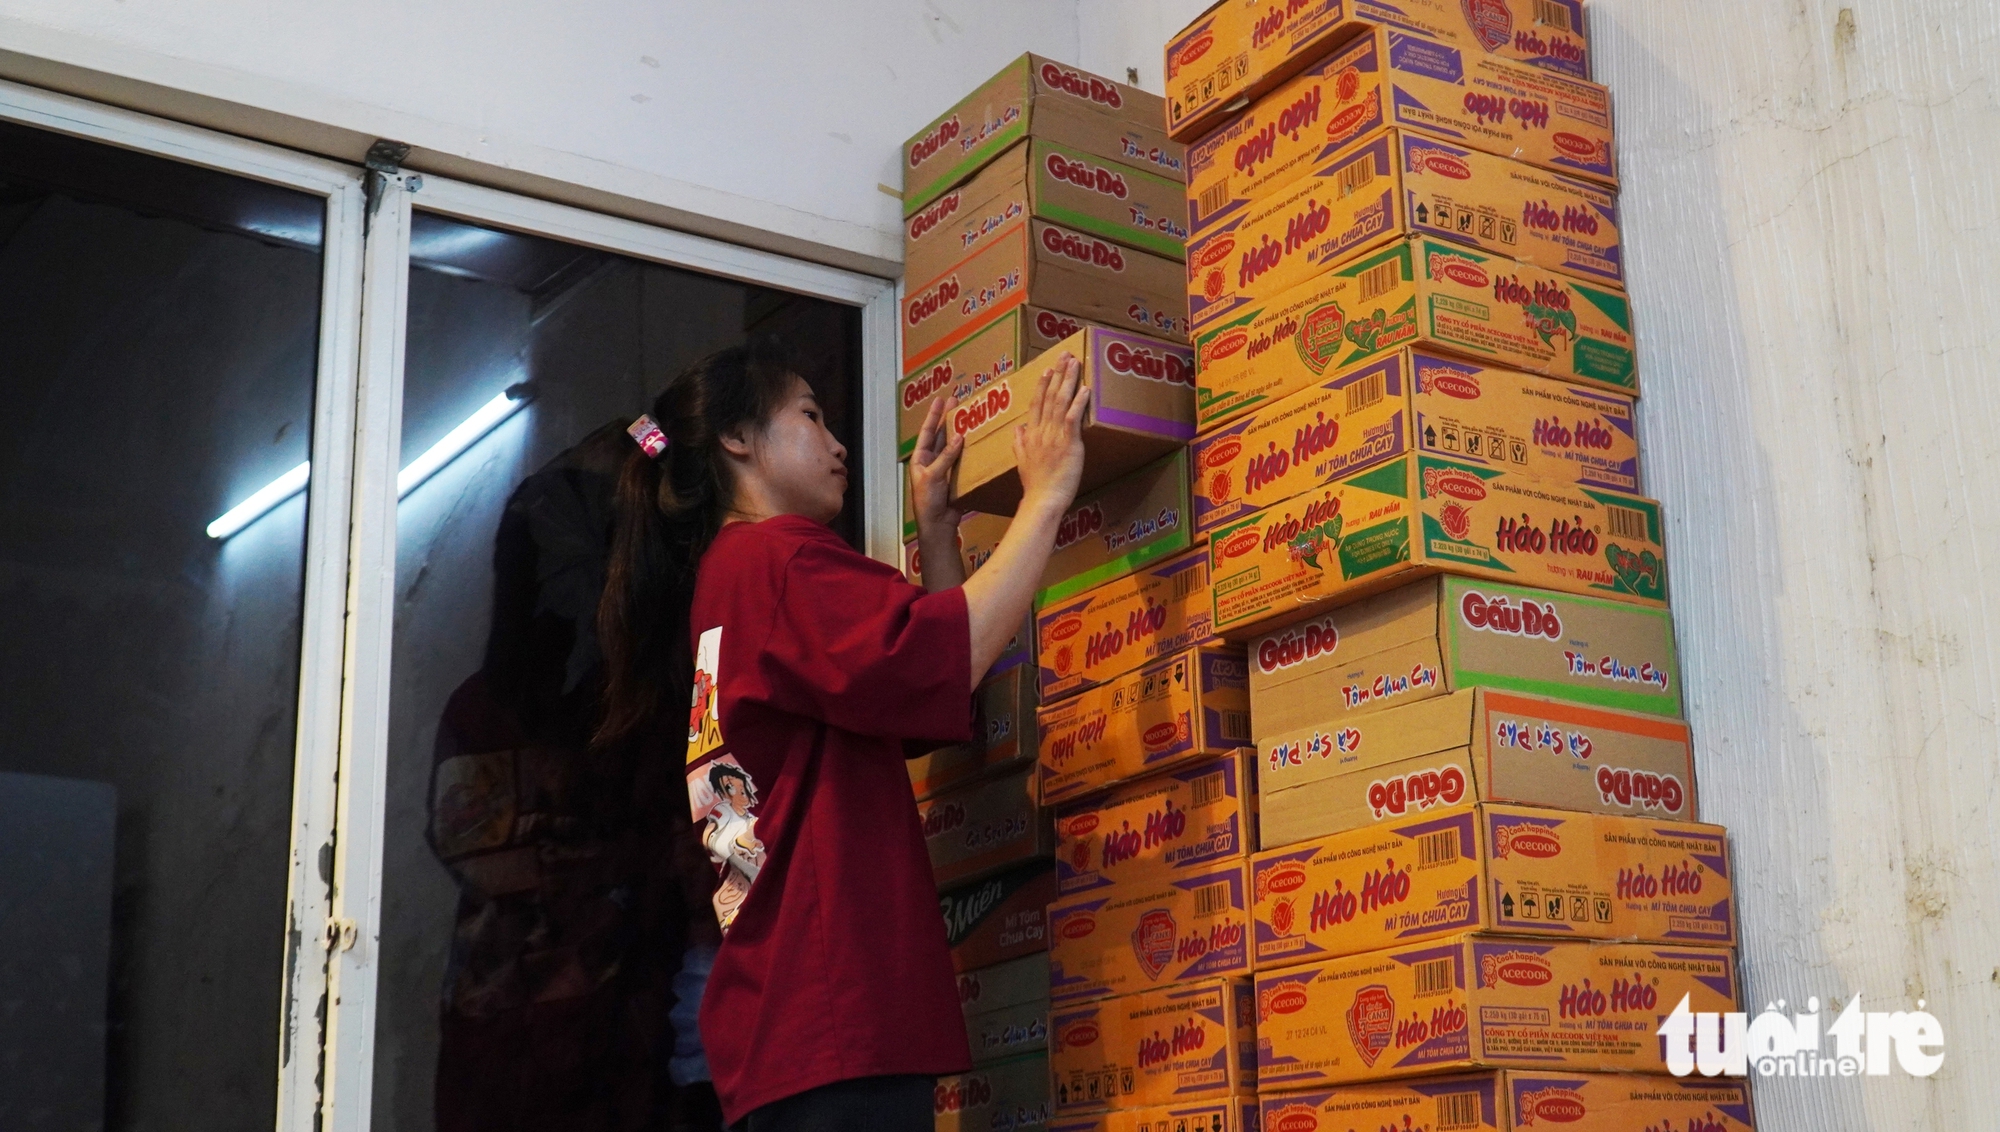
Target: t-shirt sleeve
(855, 646)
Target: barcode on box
(1381, 279)
(1553, 14)
(1192, 580)
(1214, 197)
(1206, 789)
(1211, 899)
(1366, 392)
(1440, 848)
(1433, 977)
(1457, 1110)
(1626, 522)
(1354, 176)
(1236, 725)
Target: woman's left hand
(931, 468)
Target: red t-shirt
(813, 664)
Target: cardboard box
(979, 536)
(1163, 826)
(1477, 1001)
(1124, 526)
(1491, 867)
(1478, 745)
(984, 826)
(1011, 1094)
(1000, 918)
(1124, 623)
(1410, 400)
(1178, 710)
(1229, 1114)
(1170, 1046)
(1389, 186)
(1003, 728)
(1445, 634)
(1037, 97)
(1141, 409)
(1241, 49)
(1034, 262)
(1006, 1008)
(1375, 304)
(1420, 515)
(1150, 933)
(1050, 181)
(1507, 1100)
(977, 361)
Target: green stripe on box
(1668, 706)
(986, 152)
(1153, 242)
(1116, 568)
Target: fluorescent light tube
(422, 468)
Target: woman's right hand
(1048, 446)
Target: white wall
(1810, 221)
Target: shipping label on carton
(983, 826)
(1000, 918)
(1327, 431)
(1012, 1094)
(1477, 1000)
(1438, 636)
(1520, 423)
(1474, 745)
(1003, 729)
(1121, 527)
(1163, 826)
(1181, 709)
(1037, 97)
(1492, 867)
(1141, 409)
(1150, 934)
(1124, 623)
(979, 361)
(1170, 1046)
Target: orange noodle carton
(1508, 1100)
(1164, 825)
(1122, 624)
(1170, 1046)
(1181, 709)
(1150, 933)
(1227, 1114)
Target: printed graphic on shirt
(705, 714)
(725, 798)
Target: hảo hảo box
(1167, 1046)
(1410, 400)
(1127, 622)
(1150, 933)
(1393, 185)
(1497, 868)
(1164, 825)
(1003, 736)
(984, 826)
(1000, 918)
(975, 362)
(1227, 1114)
(1186, 707)
(1478, 1001)
(1141, 409)
(1477, 745)
(1241, 49)
(1441, 635)
(1506, 1100)
(1420, 515)
(1040, 98)
(1010, 1094)
(1006, 1008)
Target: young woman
(831, 1004)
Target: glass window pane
(158, 342)
(536, 898)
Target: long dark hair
(668, 511)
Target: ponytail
(667, 511)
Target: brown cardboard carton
(1162, 826)
(1183, 708)
(1050, 181)
(1228, 1114)
(1509, 1100)
(1011, 1094)
(976, 362)
(1034, 262)
(1478, 745)
(1000, 918)
(1006, 1008)
(1141, 409)
(1124, 623)
(985, 826)
(1419, 293)
(1169, 1046)
(1124, 526)
(979, 536)
(1475, 1001)
(1391, 185)
(1419, 515)
(1445, 634)
(1003, 736)
(1240, 49)
(1491, 867)
(1037, 97)
(1149, 934)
